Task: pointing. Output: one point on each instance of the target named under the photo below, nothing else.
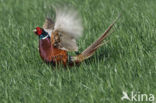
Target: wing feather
(48, 25)
(68, 24)
(68, 43)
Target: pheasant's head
(38, 31)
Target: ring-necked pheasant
(59, 38)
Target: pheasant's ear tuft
(39, 30)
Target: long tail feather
(94, 46)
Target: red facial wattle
(39, 30)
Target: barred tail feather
(94, 46)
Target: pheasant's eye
(38, 30)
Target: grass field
(126, 63)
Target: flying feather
(68, 27)
(48, 25)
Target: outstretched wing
(48, 25)
(67, 29)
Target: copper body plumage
(51, 54)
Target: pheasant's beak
(35, 31)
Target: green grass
(126, 63)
